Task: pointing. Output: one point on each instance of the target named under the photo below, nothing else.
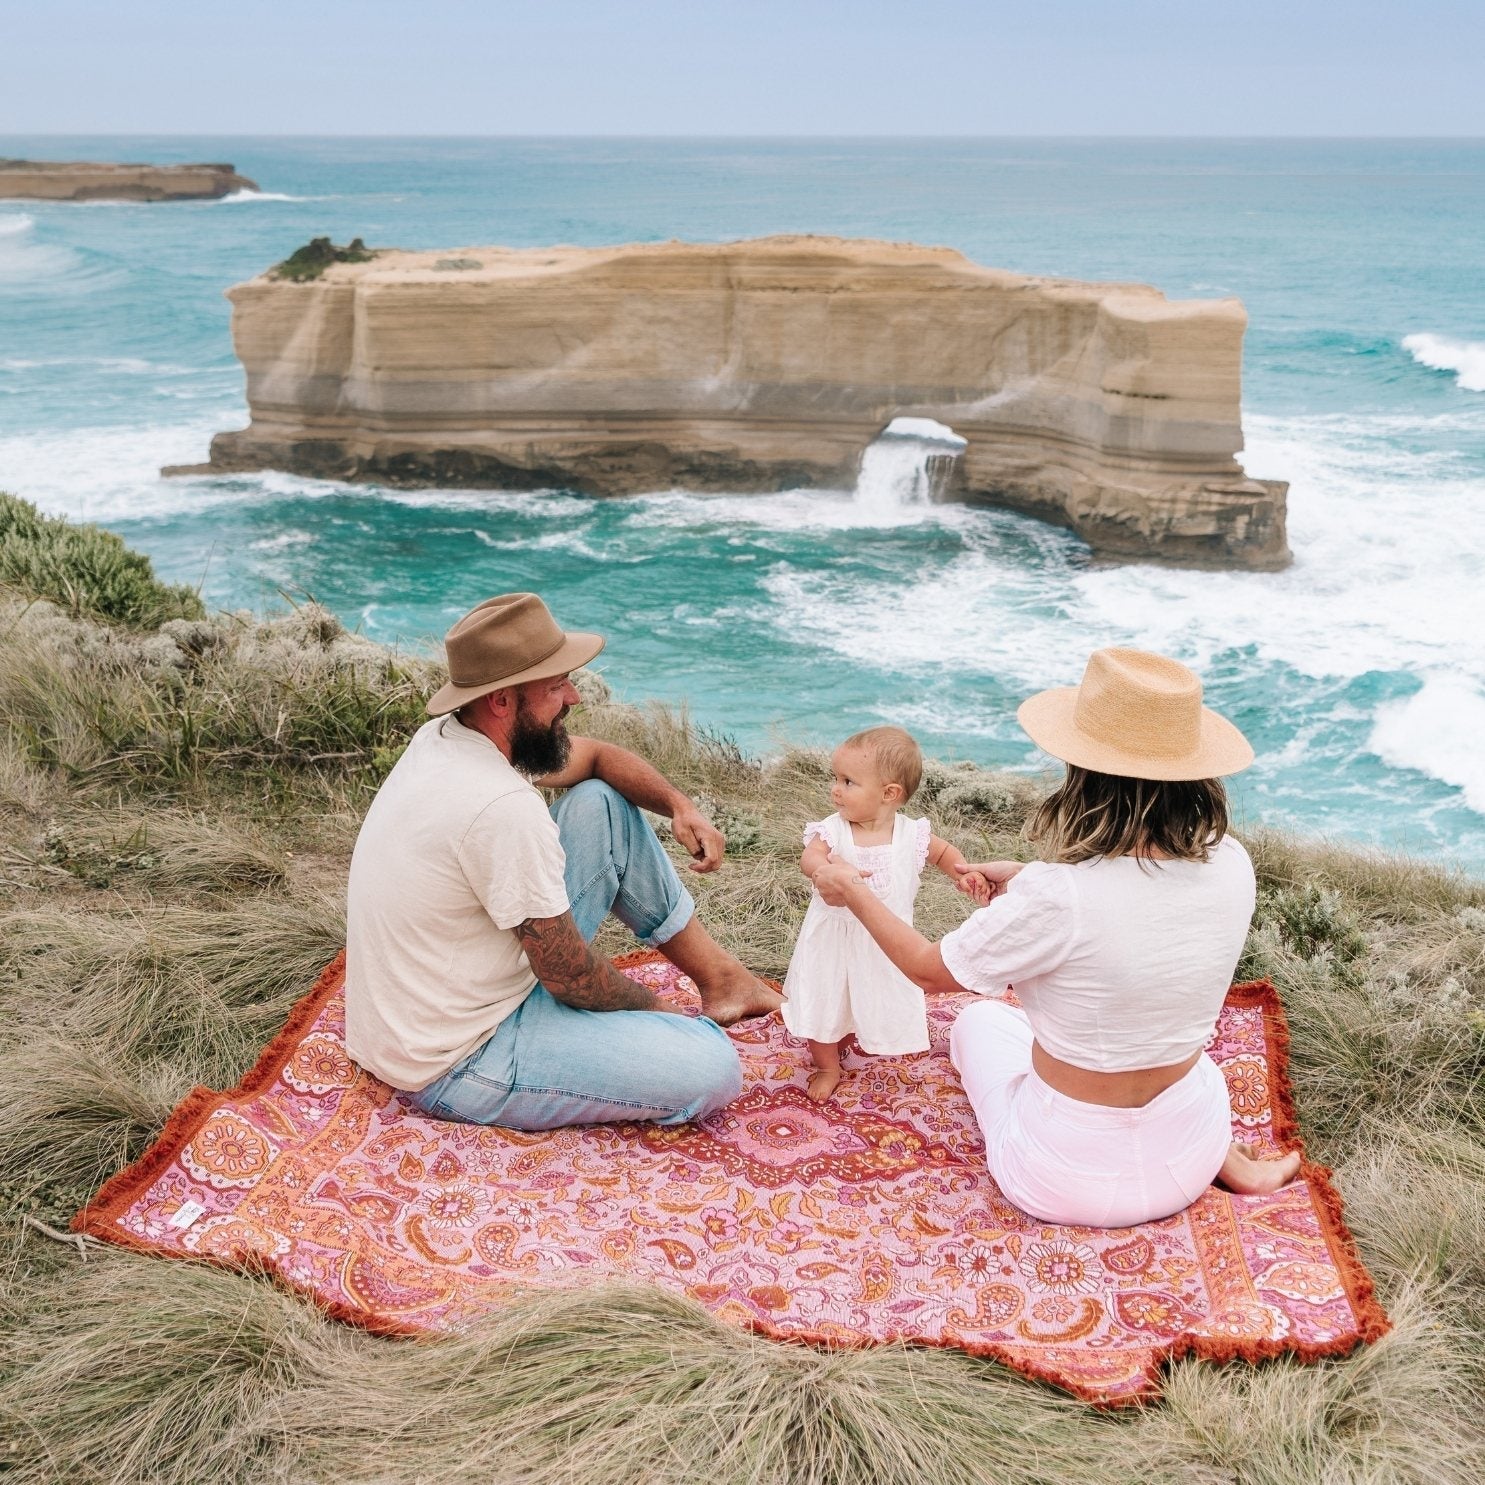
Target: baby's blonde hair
(895, 753)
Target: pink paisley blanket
(868, 1219)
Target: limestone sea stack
(760, 365)
(78, 180)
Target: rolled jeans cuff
(678, 917)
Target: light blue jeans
(547, 1065)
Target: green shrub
(995, 801)
(742, 827)
(85, 570)
(939, 778)
(310, 261)
(1313, 919)
(1308, 925)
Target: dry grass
(156, 928)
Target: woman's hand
(995, 876)
(835, 880)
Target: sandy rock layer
(76, 180)
(761, 365)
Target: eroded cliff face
(761, 365)
(73, 180)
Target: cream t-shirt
(456, 849)
(1118, 964)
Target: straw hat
(505, 641)
(1136, 715)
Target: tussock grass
(270, 701)
(134, 1373)
(170, 852)
(179, 805)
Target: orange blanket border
(114, 1198)
(1371, 1318)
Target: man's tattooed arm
(574, 974)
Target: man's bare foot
(735, 995)
(1249, 1173)
(730, 991)
(822, 1083)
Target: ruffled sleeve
(1026, 932)
(821, 830)
(925, 834)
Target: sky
(752, 67)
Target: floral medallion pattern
(871, 1218)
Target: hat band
(515, 669)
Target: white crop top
(1118, 964)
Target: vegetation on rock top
(310, 261)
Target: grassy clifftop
(179, 794)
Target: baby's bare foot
(822, 1083)
(1249, 1173)
(736, 995)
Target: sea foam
(1465, 358)
(1368, 516)
(109, 474)
(232, 198)
(1437, 731)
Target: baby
(839, 982)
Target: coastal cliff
(79, 180)
(761, 365)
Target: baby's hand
(995, 875)
(974, 884)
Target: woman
(1098, 1105)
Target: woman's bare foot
(822, 1083)
(1249, 1173)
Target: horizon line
(742, 137)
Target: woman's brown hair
(1101, 814)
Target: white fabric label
(186, 1214)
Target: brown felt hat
(1138, 716)
(505, 641)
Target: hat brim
(575, 651)
(1048, 718)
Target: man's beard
(536, 750)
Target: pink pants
(1081, 1163)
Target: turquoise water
(1359, 673)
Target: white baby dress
(839, 981)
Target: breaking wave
(234, 197)
(1465, 358)
(1437, 731)
(28, 265)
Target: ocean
(1358, 673)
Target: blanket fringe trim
(1371, 1318)
(98, 1218)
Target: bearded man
(470, 983)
